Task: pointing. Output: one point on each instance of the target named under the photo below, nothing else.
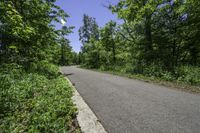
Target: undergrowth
(35, 101)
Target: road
(131, 106)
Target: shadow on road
(68, 74)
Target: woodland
(159, 39)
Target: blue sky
(76, 9)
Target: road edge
(169, 84)
(87, 120)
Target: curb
(87, 120)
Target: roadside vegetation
(154, 39)
(34, 96)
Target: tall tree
(137, 16)
(89, 29)
(108, 39)
(191, 31)
(27, 33)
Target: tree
(156, 38)
(88, 30)
(27, 33)
(137, 16)
(29, 44)
(191, 31)
(108, 39)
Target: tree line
(28, 33)
(158, 38)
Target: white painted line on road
(87, 120)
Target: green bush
(188, 74)
(153, 70)
(167, 76)
(102, 68)
(31, 102)
(45, 68)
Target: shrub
(129, 68)
(167, 76)
(30, 102)
(45, 68)
(153, 70)
(188, 74)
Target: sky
(76, 9)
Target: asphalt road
(130, 106)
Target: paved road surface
(130, 106)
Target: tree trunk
(114, 54)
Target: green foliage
(31, 102)
(34, 97)
(45, 68)
(91, 57)
(27, 33)
(157, 39)
(108, 40)
(188, 74)
(89, 29)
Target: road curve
(130, 106)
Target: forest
(159, 39)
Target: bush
(30, 102)
(153, 70)
(188, 74)
(127, 68)
(167, 76)
(45, 68)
